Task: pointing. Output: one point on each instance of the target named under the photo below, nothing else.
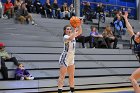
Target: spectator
(109, 37)
(81, 39)
(122, 19)
(17, 4)
(119, 13)
(48, 9)
(29, 6)
(8, 9)
(86, 8)
(119, 26)
(97, 38)
(55, 9)
(99, 10)
(58, 12)
(43, 12)
(37, 5)
(23, 15)
(1, 10)
(87, 11)
(65, 11)
(72, 10)
(22, 74)
(4, 58)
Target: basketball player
(66, 60)
(136, 38)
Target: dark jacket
(100, 9)
(55, 6)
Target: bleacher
(39, 47)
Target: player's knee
(61, 78)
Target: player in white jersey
(66, 60)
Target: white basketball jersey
(69, 46)
(67, 57)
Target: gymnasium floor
(115, 90)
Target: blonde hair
(106, 28)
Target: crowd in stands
(91, 13)
(50, 10)
(96, 40)
(53, 10)
(22, 10)
(17, 10)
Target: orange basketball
(75, 21)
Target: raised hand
(125, 15)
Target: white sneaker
(31, 77)
(2, 17)
(22, 78)
(33, 22)
(5, 17)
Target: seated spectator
(115, 18)
(1, 10)
(99, 10)
(87, 11)
(48, 9)
(82, 39)
(29, 6)
(109, 37)
(119, 13)
(23, 15)
(8, 9)
(43, 12)
(22, 74)
(72, 10)
(119, 26)
(86, 8)
(37, 5)
(55, 10)
(98, 39)
(17, 4)
(4, 58)
(122, 19)
(65, 11)
(58, 13)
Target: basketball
(75, 21)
